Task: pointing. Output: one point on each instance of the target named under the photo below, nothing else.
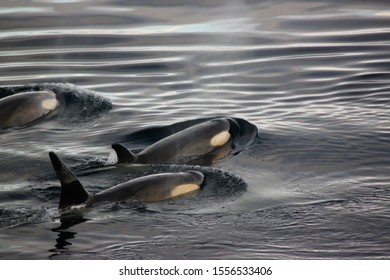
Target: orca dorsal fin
(124, 155)
(72, 191)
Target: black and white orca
(151, 188)
(209, 140)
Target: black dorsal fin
(72, 191)
(124, 155)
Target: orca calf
(25, 108)
(149, 188)
(209, 140)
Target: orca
(151, 188)
(209, 140)
(25, 108)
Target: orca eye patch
(50, 104)
(220, 139)
(184, 189)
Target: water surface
(312, 76)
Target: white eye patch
(183, 189)
(50, 104)
(220, 139)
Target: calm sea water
(314, 77)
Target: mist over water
(313, 77)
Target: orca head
(190, 182)
(243, 133)
(72, 191)
(199, 178)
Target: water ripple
(312, 76)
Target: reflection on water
(313, 77)
(65, 234)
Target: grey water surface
(312, 76)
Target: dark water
(314, 77)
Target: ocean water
(313, 77)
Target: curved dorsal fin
(123, 154)
(72, 191)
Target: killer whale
(25, 108)
(151, 188)
(77, 106)
(209, 140)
